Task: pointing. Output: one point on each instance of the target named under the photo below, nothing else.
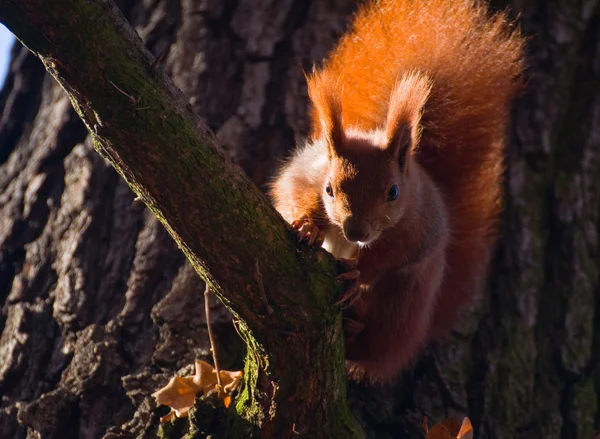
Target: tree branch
(143, 125)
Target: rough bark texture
(282, 298)
(99, 306)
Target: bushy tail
(474, 60)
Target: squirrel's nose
(353, 231)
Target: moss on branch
(226, 227)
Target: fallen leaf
(206, 377)
(180, 392)
(466, 430)
(449, 429)
(439, 431)
(167, 417)
(452, 425)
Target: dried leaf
(466, 430)
(439, 431)
(180, 392)
(167, 417)
(206, 378)
(452, 425)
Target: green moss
(176, 427)
(583, 407)
(220, 220)
(510, 387)
(247, 411)
(579, 293)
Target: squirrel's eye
(392, 193)
(329, 190)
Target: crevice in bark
(146, 299)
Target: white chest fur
(338, 246)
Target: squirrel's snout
(354, 231)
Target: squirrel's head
(365, 189)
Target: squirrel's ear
(403, 125)
(327, 112)
(400, 142)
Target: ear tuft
(324, 93)
(403, 129)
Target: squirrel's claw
(349, 275)
(352, 328)
(349, 270)
(353, 303)
(308, 231)
(352, 293)
(348, 264)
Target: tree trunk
(99, 307)
(283, 299)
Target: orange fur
(445, 72)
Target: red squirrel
(403, 169)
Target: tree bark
(142, 125)
(100, 307)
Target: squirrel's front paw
(307, 230)
(352, 328)
(351, 274)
